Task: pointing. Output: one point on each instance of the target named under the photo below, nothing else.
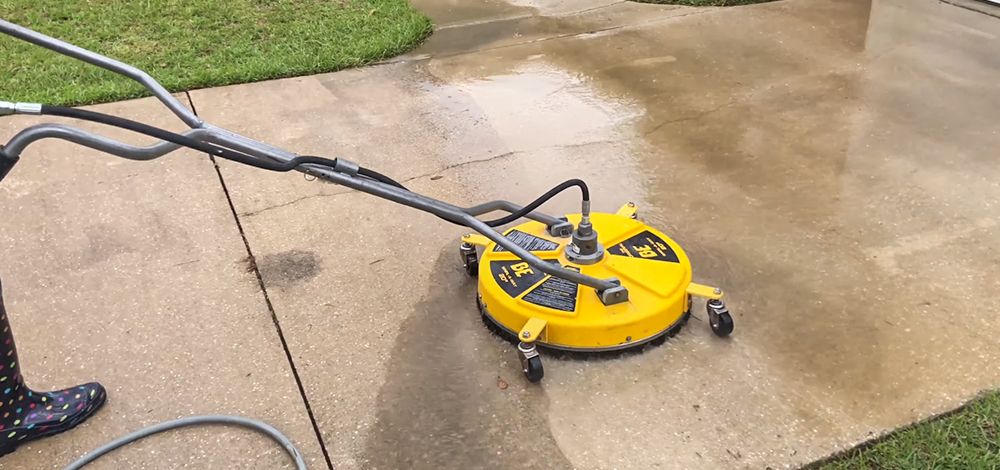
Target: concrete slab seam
(270, 306)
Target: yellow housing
(559, 314)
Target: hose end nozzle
(7, 108)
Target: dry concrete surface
(830, 163)
(134, 274)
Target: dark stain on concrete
(454, 396)
(289, 267)
(104, 243)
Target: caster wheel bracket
(470, 258)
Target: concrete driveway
(830, 163)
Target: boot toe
(44, 414)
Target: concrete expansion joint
(588, 10)
(693, 117)
(251, 258)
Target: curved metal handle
(26, 137)
(106, 63)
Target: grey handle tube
(392, 193)
(103, 62)
(456, 214)
(38, 132)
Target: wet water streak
(828, 162)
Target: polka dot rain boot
(26, 414)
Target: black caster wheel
(531, 362)
(472, 268)
(470, 259)
(719, 318)
(533, 369)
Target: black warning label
(647, 246)
(528, 242)
(515, 277)
(555, 293)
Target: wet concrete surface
(447, 401)
(830, 163)
(484, 26)
(356, 327)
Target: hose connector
(584, 247)
(7, 108)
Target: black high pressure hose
(513, 215)
(289, 165)
(183, 140)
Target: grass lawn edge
(198, 44)
(879, 451)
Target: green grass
(704, 3)
(966, 439)
(188, 44)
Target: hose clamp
(346, 167)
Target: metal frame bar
(26, 137)
(206, 132)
